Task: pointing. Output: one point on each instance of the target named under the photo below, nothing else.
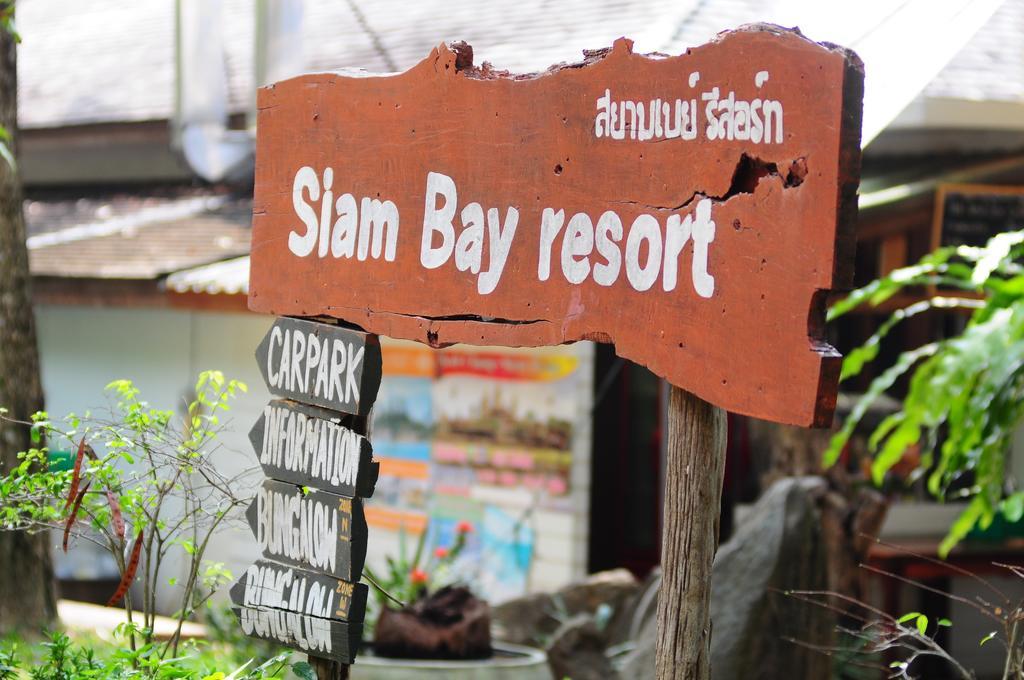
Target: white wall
(162, 351)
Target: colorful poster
(483, 436)
(402, 427)
(505, 421)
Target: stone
(577, 651)
(533, 619)
(527, 620)
(627, 620)
(613, 587)
(779, 548)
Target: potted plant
(427, 625)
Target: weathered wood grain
(695, 469)
(735, 314)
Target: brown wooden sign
(322, 638)
(310, 529)
(695, 210)
(312, 447)
(275, 586)
(321, 364)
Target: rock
(528, 620)
(627, 620)
(533, 619)
(639, 663)
(577, 651)
(753, 621)
(778, 548)
(613, 588)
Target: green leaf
(945, 623)
(995, 252)
(922, 624)
(304, 670)
(987, 638)
(855, 361)
(908, 617)
(1013, 507)
(7, 156)
(963, 524)
(878, 386)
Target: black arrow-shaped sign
(324, 638)
(321, 364)
(309, 446)
(309, 529)
(276, 586)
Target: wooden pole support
(695, 468)
(327, 669)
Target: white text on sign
(645, 252)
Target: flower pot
(510, 662)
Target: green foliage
(145, 484)
(965, 396)
(225, 635)
(60, 658)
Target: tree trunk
(695, 468)
(27, 596)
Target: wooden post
(695, 468)
(326, 669)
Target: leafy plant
(60, 658)
(144, 483)
(409, 577)
(965, 396)
(879, 641)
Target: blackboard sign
(312, 447)
(971, 214)
(309, 528)
(317, 363)
(323, 638)
(276, 586)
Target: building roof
(130, 50)
(200, 238)
(991, 66)
(131, 236)
(230, 277)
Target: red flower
(418, 576)
(464, 527)
(440, 553)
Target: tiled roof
(230, 277)
(84, 63)
(135, 237)
(991, 66)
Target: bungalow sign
(694, 210)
